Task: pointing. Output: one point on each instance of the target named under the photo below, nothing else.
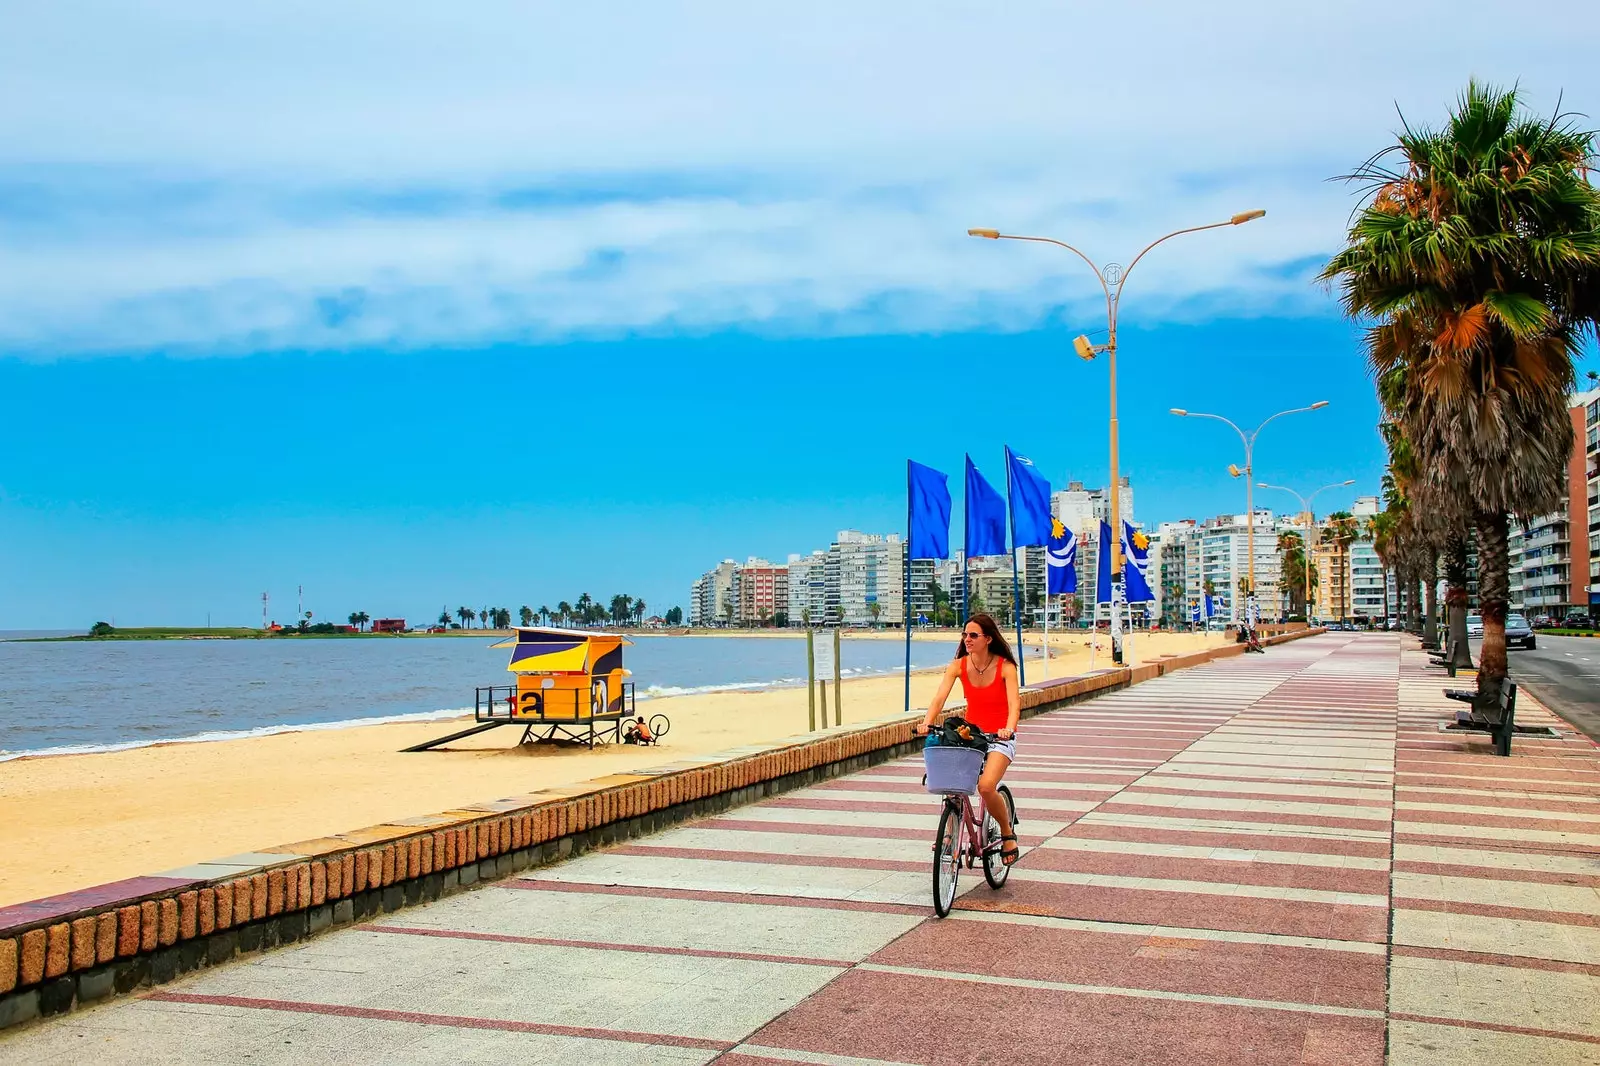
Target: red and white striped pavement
(1271, 859)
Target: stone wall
(80, 947)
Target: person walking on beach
(987, 671)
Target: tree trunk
(1430, 599)
(1455, 600)
(1494, 591)
(1413, 613)
(1399, 596)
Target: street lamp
(1112, 277)
(1305, 507)
(1249, 497)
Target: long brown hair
(991, 629)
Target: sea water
(79, 696)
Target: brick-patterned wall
(77, 948)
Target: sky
(424, 305)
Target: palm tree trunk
(1430, 599)
(1455, 600)
(1413, 613)
(1494, 591)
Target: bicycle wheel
(946, 859)
(995, 870)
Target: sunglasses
(971, 636)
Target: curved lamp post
(1305, 507)
(1112, 277)
(1249, 496)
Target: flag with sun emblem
(1061, 554)
(1136, 572)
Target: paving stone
(58, 950)
(8, 964)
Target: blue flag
(1210, 607)
(986, 516)
(1102, 591)
(1136, 568)
(1030, 502)
(1061, 558)
(929, 495)
(1194, 614)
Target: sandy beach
(78, 820)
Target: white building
(714, 597)
(1223, 560)
(866, 578)
(808, 589)
(1369, 586)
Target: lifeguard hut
(570, 685)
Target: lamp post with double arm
(1305, 508)
(1112, 276)
(1249, 496)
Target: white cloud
(232, 178)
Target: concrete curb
(83, 947)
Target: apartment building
(1224, 560)
(762, 592)
(866, 578)
(808, 589)
(713, 597)
(1170, 548)
(1555, 564)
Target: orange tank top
(986, 705)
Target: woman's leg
(994, 768)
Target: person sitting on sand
(637, 732)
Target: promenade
(1269, 859)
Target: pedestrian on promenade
(987, 671)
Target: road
(1564, 673)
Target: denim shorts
(1008, 748)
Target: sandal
(1011, 854)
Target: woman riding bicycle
(988, 674)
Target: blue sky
(416, 312)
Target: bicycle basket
(952, 769)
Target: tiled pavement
(1271, 859)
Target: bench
(1496, 715)
(1445, 656)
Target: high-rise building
(1170, 547)
(1553, 556)
(763, 592)
(1369, 581)
(808, 589)
(866, 578)
(713, 597)
(1224, 556)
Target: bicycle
(962, 834)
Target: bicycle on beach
(967, 832)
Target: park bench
(1444, 656)
(1495, 715)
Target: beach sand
(73, 821)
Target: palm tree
(355, 619)
(465, 614)
(543, 614)
(638, 611)
(525, 615)
(1479, 255)
(1293, 572)
(563, 613)
(582, 606)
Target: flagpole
(1016, 587)
(1094, 612)
(1047, 616)
(905, 587)
(966, 539)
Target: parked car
(1519, 634)
(1577, 620)
(1543, 621)
(1474, 625)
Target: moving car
(1519, 634)
(1474, 625)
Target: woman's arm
(1013, 701)
(946, 683)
